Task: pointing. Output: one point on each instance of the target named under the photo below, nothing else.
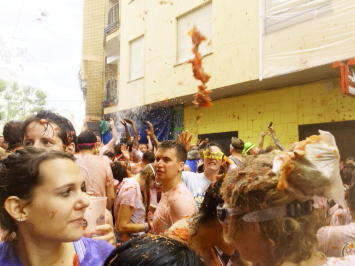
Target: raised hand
(185, 138)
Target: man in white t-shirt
(198, 183)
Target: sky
(40, 46)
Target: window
(201, 18)
(222, 138)
(281, 14)
(136, 58)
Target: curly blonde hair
(254, 187)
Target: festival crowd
(69, 199)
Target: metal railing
(113, 19)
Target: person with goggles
(204, 234)
(197, 183)
(269, 225)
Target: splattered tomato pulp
(202, 97)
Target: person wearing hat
(250, 149)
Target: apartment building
(286, 62)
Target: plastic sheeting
(301, 34)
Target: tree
(19, 102)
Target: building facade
(269, 61)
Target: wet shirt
(97, 172)
(197, 183)
(129, 193)
(90, 252)
(344, 261)
(339, 216)
(174, 205)
(337, 241)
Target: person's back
(97, 173)
(129, 193)
(96, 169)
(339, 240)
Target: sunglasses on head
(293, 209)
(223, 213)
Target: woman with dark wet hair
(132, 204)
(42, 203)
(153, 250)
(204, 234)
(12, 135)
(49, 130)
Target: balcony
(113, 19)
(112, 39)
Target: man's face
(143, 148)
(43, 136)
(212, 158)
(167, 165)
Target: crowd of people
(171, 202)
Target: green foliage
(19, 102)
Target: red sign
(347, 76)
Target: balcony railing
(113, 19)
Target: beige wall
(234, 43)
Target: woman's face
(247, 238)
(58, 203)
(43, 136)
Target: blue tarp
(162, 121)
(161, 118)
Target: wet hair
(13, 134)
(254, 187)
(66, 130)
(148, 157)
(179, 148)
(193, 154)
(237, 144)
(211, 144)
(212, 199)
(86, 140)
(148, 174)
(117, 149)
(351, 197)
(348, 171)
(109, 155)
(118, 171)
(153, 250)
(19, 175)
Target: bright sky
(40, 45)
